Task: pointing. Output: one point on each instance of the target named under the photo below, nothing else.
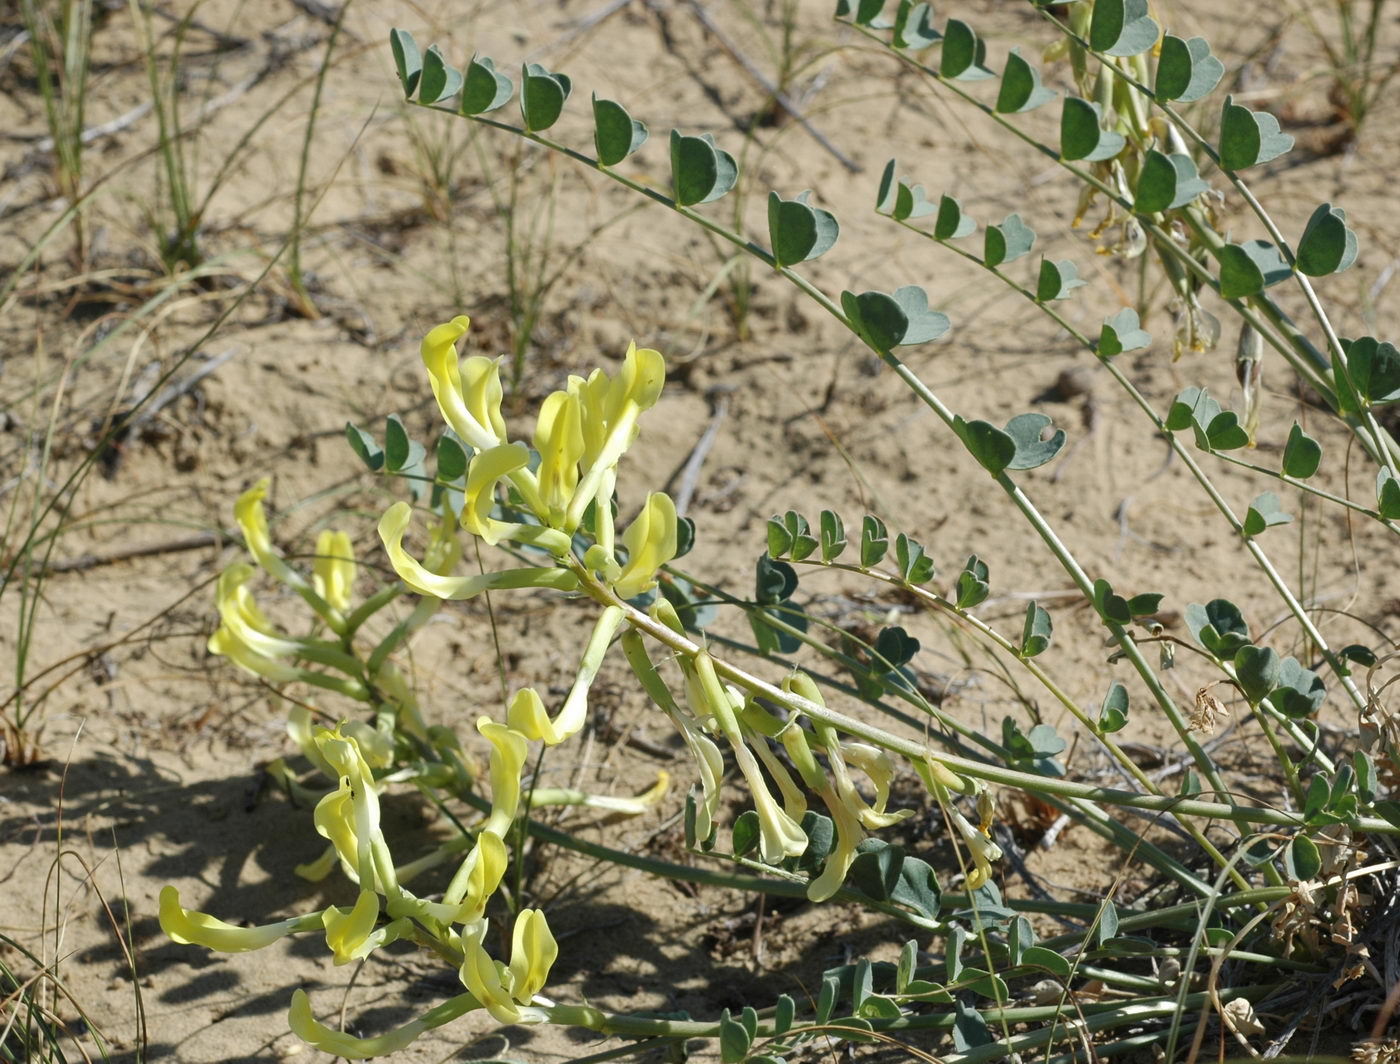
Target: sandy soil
(152, 749)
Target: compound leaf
(438, 80)
(951, 222)
(700, 171)
(408, 61)
(993, 448)
(1387, 495)
(1301, 454)
(1327, 246)
(1057, 280)
(1113, 713)
(1264, 512)
(362, 443)
(1166, 182)
(1374, 368)
(874, 541)
(1218, 626)
(910, 201)
(1257, 671)
(1036, 631)
(913, 27)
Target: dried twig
(84, 562)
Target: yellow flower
(527, 713)
(394, 524)
(487, 470)
(612, 417)
(506, 991)
(334, 819)
(469, 396)
(245, 622)
(348, 930)
(651, 543)
(508, 750)
(477, 878)
(226, 643)
(849, 835)
(983, 850)
(533, 952)
(350, 816)
(337, 1043)
(252, 522)
(192, 928)
(333, 571)
(559, 441)
(299, 730)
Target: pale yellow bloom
(350, 816)
(477, 878)
(337, 1043)
(559, 441)
(780, 835)
(469, 396)
(508, 750)
(612, 416)
(252, 522)
(333, 571)
(334, 820)
(192, 928)
(299, 727)
(849, 835)
(876, 764)
(244, 621)
(532, 955)
(651, 543)
(527, 714)
(983, 850)
(506, 991)
(348, 930)
(394, 524)
(376, 747)
(226, 644)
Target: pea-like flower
(527, 714)
(507, 990)
(979, 844)
(333, 571)
(508, 749)
(337, 1043)
(418, 577)
(192, 928)
(468, 394)
(651, 542)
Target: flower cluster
(554, 499)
